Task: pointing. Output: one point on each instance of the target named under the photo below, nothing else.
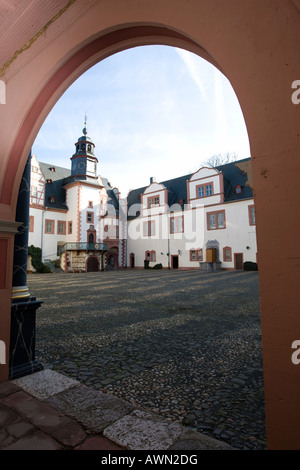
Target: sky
(152, 111)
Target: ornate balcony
(82, 246)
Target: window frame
(203, 187)
(216, 214)
(147, 228)
(174, 221)
(250, 208)
(153, 197)
(52, 222)
(63, 224)
(198, 254)
(92, 217)
(31, 223)
(152, 256)
(225, 259)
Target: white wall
(237, 235)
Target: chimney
(152, 179)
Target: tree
(220, 159)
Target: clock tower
(84, 162)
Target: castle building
(204, 220)
(74, 213)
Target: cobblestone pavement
(183, 344)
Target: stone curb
(122, 423)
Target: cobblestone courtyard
(184, 344)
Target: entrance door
(175, 262)
(132, 260)
(238, 260)
(92, 264)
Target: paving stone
(98, 443)
(40, 414)
(20, 429)
(92, 408)
(7, 416)
(191, 440)
(143, 431)
(71, 434)
(16, 399)
(45, 383)
(36, 441)
(7, 388)
(172, 358)
(5, 439)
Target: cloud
(192, 63)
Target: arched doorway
(112, 258)
(132, 260)
(233, 37)
(92, 264)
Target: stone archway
(261, 64)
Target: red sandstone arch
(254, 44)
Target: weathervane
(85, 121)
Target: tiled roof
(56, 189)
(62, 176)
(177, 187)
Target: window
(176, 224)
(238, 189)
(111, 231)
(215, 220)
(227, 254)
(31, 223)
(251, 215)
(90, 217)
(90, 204)
(204, 190)
(70, 227)
(208, 189)
(153, 201)
(150, 255)
(34, 191)
(49, 226)
(149, 228)
(35, 169)
(196, 255)
(61, 227)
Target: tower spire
(85, 123)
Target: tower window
(90, 217)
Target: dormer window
(52, 199)
(52, 168)
(204, 190)
(49, 181)
(238, 189)
(153, 201)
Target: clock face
(81, 165)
